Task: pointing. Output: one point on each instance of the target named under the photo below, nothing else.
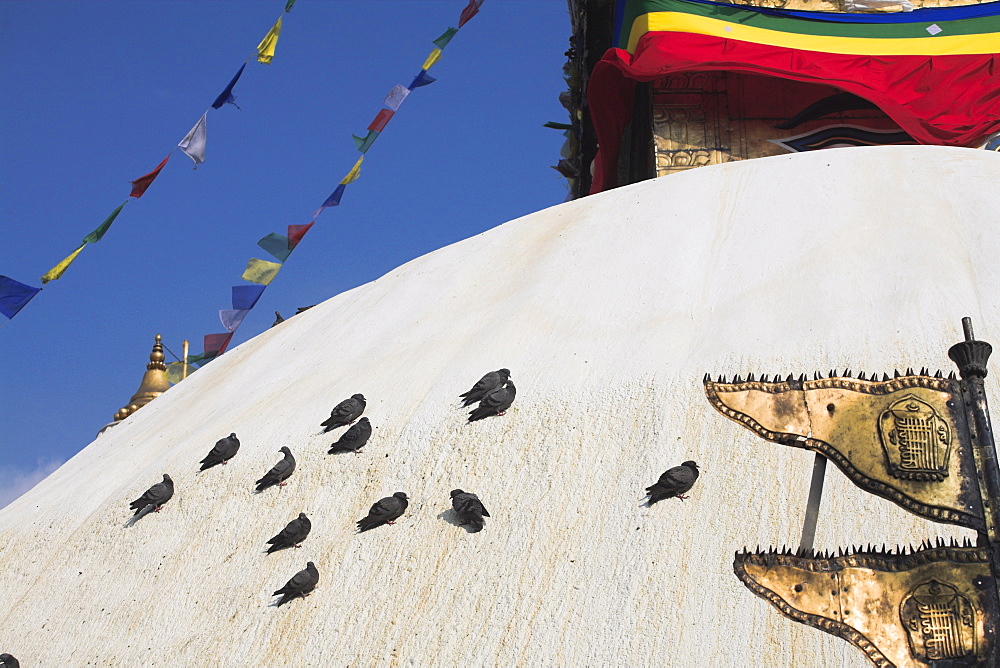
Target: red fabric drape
(945, 100)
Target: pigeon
(223, 451)
(7, 661)
(344, 413)
(674, 482)
(279, 472)
(156, 496)
(277, 319)
(301, 584)
(494, 403)
(484, 386)
(292, 535)
(384, 511)
(354, 438)
(469, 508)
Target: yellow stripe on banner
(941, 45)
(431, 59)
(57, 271)
(260, 271)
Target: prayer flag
(140, 184)
(289, 5)
(334, 198)
(396, 96)
(175, 370)
(57, 271)
(245, 296)
(277, 245)
(295, 234)
(355, 172)
(193, 143)
(14, 295)
(443, 40)
(226, 96)
(422, 79)
(470, 10)
(434, 56)
(265, 50)
(381, 119)
(365, 143)
(98, 234)
(231, 319)
(260, 271)
(215, 344)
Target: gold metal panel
(928, 607)
(904, 439)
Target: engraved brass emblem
(916, 440)
(904, 439)
(923, 608)
(940, 621)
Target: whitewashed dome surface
(608, 311)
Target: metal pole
(184, 360)
(812, 506)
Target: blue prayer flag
(14, 295)
(422, 79)
(245, 296)
(227, 95)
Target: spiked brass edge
(831, 626)
(935, 513)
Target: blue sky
(96, 93)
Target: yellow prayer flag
(261, 271)
(56, 272)
(265, 50)
(433, 58)
(355, 172)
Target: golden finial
(154, 382)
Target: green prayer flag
(365, 143)
(443, 40)
(97, 234)
(288, 5)
(277, 245)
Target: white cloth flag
(231, 319)
(193, 143)
(396, 96)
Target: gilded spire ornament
(154, 382)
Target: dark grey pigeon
(155, 496)
(469, 509)
(384, 511)
(301, 584)
(674, 482)
(7, 661)
(222, 452)
(344, 413)
(495, 403)
(354, 438)
(292, 535)
(484, 386)
(279, 472)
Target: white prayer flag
(193, 143)
(396, 96)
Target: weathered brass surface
(928, 607)
(904, 439)
(154, 382)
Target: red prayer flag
(215, 344)
(381, 120)
(140, 184)
(295, 234)
(470, 10)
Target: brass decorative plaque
(904, 439)
(928, 607)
